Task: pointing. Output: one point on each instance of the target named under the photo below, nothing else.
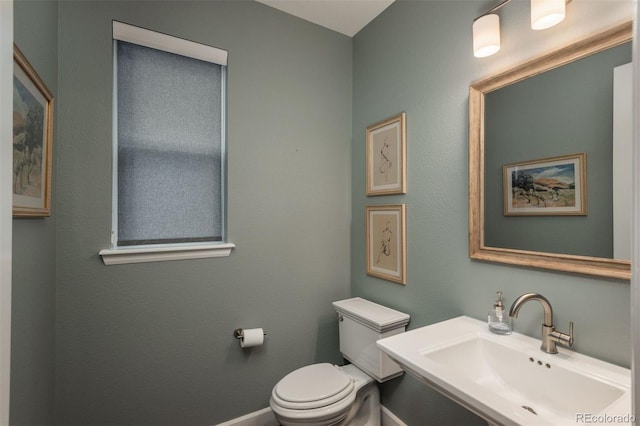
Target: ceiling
(344, 16)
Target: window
(169, 147)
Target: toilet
(325, 394)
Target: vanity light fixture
(486, 35)
(486, 27)
(547, 13)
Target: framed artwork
(32, 140)
(548, 187)
(386, 156)
(386, 242)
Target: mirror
(508, 201)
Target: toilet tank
(361, 324)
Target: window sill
(120, 256)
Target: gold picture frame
(386, 156)
(555, 186)
(386, 242)
(32, 140)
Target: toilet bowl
(325, 394)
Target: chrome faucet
(550, 336)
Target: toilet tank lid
(371, 314)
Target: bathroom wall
(33, 278)
(417, 57)
(153, 343)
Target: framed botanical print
(386, 242)
(386, 156)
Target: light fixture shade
(486, 35)
(547, 13)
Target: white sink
(508, 379)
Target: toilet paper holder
(238, 333)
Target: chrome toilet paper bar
(250, 337)
(238, 333)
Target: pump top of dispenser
(499, 305)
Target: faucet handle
(560, 337)
(570, 333)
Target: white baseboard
(387, 418)
(265, 417)
(262, 417)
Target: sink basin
(508, 380)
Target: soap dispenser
(499, 320)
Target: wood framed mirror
(482, 200)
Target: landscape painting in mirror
(550, 186)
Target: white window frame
(162, 252)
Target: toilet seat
(313, 386)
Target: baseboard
(262, 417)
(265, 417)
(387, 418)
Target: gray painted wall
(33, 280)
(561, 112)
(153, 343)
(417, 57)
